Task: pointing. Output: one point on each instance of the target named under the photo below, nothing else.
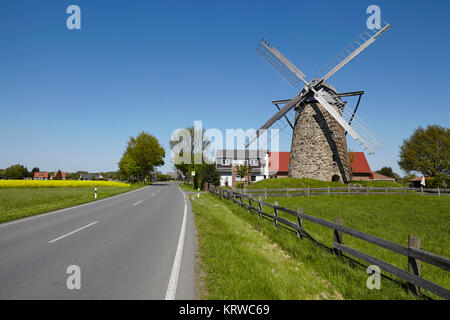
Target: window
(254, 162)
(225, 162)
(240, 162)
(253, 178)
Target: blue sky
(70, 99)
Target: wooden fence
(349, 190)
(413, 252)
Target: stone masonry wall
(319, 147)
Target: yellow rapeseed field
(59, 183)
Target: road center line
(68, 234)
(138, 202)
(172, 287)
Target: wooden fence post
(421, 190)
(275, 213)
(328, 190)
(404, 189)
(300, 223)
(249, 205)
(439, 192)
(265, 193)
(348, 189)
(385, 190)
(260, 207)
(287, 192)
(337, 235)
(367, 190)
(307, 191)
(414, 264)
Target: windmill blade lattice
(279, 62)
(358, 128)
(356, 47)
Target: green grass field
(226, 252)
(282, 183)
(16, 203)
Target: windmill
(319, 118)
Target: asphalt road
(126, 247)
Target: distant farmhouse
(90, 176)
(267, 165)
(45, 176)
(40, 176)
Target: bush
(437, 182)
(239, 185)
(209, 174)
(162, 177)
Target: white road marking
(68, 234)
(138, 202)
(172, 287)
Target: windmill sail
(280, 63)
(277, 116)
(358, 130)
(356, 47)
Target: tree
(209, 174)
(187, 168)
(427, 151)
(58, 175)
(16, 171)
(388, 172)
(243, 171)
(33, 171)
(142, 155)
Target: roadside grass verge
(391, 217)
(243, 257)
(187, 187)
(16, 203)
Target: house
(89, 176)
(40, 176)
(278, 164)
(63, 175)
(417, 182)
(228, 160)
(360, 166)
(380, 177)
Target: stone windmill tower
(320, 119)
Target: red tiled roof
(377, 176)
(41, 175)
(416, 179)
(279, 161)
(359, 163)
(63, 174)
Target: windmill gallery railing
(413, 252)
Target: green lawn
(244, 257)
(18, 203)
(282, 183)
(188, 187)
(391, 217)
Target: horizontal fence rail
(414, 254)
(349, 190)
